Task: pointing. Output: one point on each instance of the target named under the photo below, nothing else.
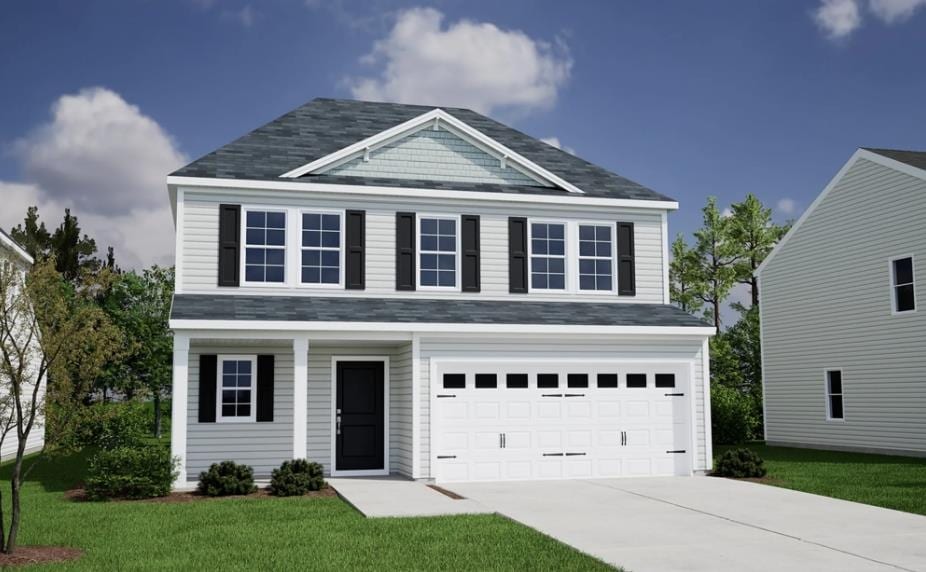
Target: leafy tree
(75, 253)
(755, 235)
(718, 255)
(33, 235)
(683, 276)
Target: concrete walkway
(394, 496)
(710, 524)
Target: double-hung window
(265, 246)
(834, 395)
(903, 295)
(321, 248)
(237, 388)
(548, 256)
(438, 252)
(596, 258)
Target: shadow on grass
(55, 473)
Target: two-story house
(843, 326)
(400, 289)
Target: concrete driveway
(710, 524)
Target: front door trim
(334, 400)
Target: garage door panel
(487, 410)
(578, 468)
(455, 440)
(551, 440)
(451, 409)
(580, 440)
(580, 410)
(486, 440)
(609, 410)
(516, 410)
(550, 469)
(548, 409)
(637, 408)
(610, 467)
(518, 440)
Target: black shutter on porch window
(626, 271)
(404, 251)
(207, 385)
(229, 244)
(470, 256)
(355, 241)
(517, 255)
(265, 388)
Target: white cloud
(891, 11)
(838, 18)
(467, 63)
(727, 212)
(555, 142)
(244, 16)
(106, 161)
(787, 206)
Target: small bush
(733, 418)
(740, 463)
(227, 478)
(131, 473)
(295, 478)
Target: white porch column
(178, 407)
(300, 395)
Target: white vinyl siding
(826, 304)
(199, 243)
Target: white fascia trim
(14, 246)
(274, 325)
(423, 120)
(406, 192)
(859, 154)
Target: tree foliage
(754, 235)
(683, 276)
(717, 255)
(74, 253)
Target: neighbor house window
(265, 246)
(321, 248)
(548, 256)
(903, 294)
(596, 264)
(236, 388)
(834, 394)
(437, 257)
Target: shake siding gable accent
(405, 251)
(265, 388)
(229, 244)
(355, 255)
(470, 256)
(517, 255)
(208, 365)
(626, 265)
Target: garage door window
(577, 380)
(636, 380)
(516, 381)
(454, 381)
(607, 380)
(486, 381)
(665, 380)
(547, 380)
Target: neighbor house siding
(826, 304)
(545, 347)
(198, 258)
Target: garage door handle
(575, 395)
(446, 456)
(552, 395)
(447, 395)
(675, 394)
(575, 454)
(623, 438)
(552, 454)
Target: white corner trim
(858, 155)
(666, 297)
(416, 406)
(334, 397)
(706, 386)
(432, 118)
(14, 246)
(178, 245)
(764, 369)
(300, 396)
(179, 397)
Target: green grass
(891, 482)
(281, 534)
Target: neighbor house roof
(324, 126)
(425, 311)
(14, 246)
(913, 158)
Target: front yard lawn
(270, 533)
(890, 482)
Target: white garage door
(495, 421)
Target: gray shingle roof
(428, 311)
(323, 126)
(913, 158)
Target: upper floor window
(265, 246)
(902, 290)
(438, 246)
(321, 248)
(834, 394)
(237, 388)
(596, 263)
(548, 256)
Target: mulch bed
(80, 495)
(26, 555)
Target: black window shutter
(229, 244)
(517, 255)
(404, 251)
(626, 271)
(265, 388)
(470, 255)
(207, 385)
(355, 241)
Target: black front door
(359, 416)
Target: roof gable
(13, 246)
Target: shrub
(296, 477)
(733, 420)
(227, 478)
(131, 473)
(104, 426)
(739, 463)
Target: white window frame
(894, 285)
(300, 248)
(568, 258)
(841, 394)
(458, 280)
(287, 232)
(579, 257)
(219, 418)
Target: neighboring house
(843, 323)
(13, 253)
(388, 288)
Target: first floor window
(321, 248)
(438, 256)
(834, 394)
(902, 284)
(548, 256)
(596, 265)
(265, 246)
(236, 389)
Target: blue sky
(101, 99)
